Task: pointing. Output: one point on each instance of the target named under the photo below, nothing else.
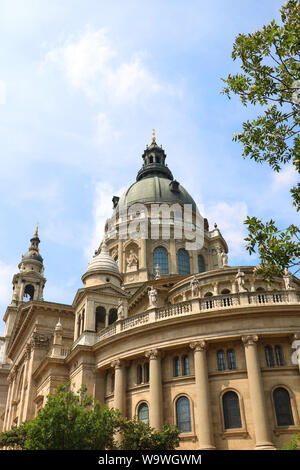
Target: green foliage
(270, 61)
(270, 78)
(277, 248)
(139, 436)
(294, 444)
(14, 438)
(75, 421)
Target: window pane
(183, 415)
(160, 258)
(231, 359)
(269, 356)
(143, 413)
(283, 407)
(183, 260)
(221, 360)
(177, 371)
(201, 264)
(231, 410)
(186, 365)
(279, 356)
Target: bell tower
(29, 282)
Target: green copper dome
(154, 183)
(155, 189)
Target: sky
(82, 85)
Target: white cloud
(230, 221)
(92, 64)
(6, 274)
(104, 129)
(286, 178)
(102, 210)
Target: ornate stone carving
(195, 287)
(121, 310)
(200, 345)
(152, 293)
(287, 279)
(224, 259)
(132, 262)
(116, 364)
(153, 354)
(39, 340)
(249, 339)
(240, 279)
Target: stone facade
(213, 352)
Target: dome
(156, 189)
(103, 262)
(32, 256)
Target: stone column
(13, 378)
(8, 403)
(120, 386)
(27, 357)
(155, 395)
(257, 396)
(205, 429)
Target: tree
(75, 421)
(270, 78)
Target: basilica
(160, 329)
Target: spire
(153, 136)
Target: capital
(201, 345)
(153, 354)
(249, 340)
(116, 364)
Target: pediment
(103, 290)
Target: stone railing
(173, 310)
(194, 306)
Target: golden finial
(153, 136)
(37, 230)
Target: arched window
(160, 258)
(279, 356)
(183, 414)
(201, 264)
(139, 374)
(177, 370)
(183, 262)
(231, 359)
(221, 360)
(269, 356)
(143, 413)
(29, 292)
(283, 409)
(231, 410)
(113, 316)
(100, 318)
(186, 365)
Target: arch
(225, 291)
(100, 318)
(28, 292)
(143, 413)
(231, 410)
(282, 405)
(208, 294)
(231, 359)
(160, 258)
(201, 264)
(112, 316)
(183, 414)
(279, 355)
(183, 262)
(221, 360)
(269, 356)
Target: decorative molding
(201, 345)
(153, 354)
(249, 340)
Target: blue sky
(82, 84)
